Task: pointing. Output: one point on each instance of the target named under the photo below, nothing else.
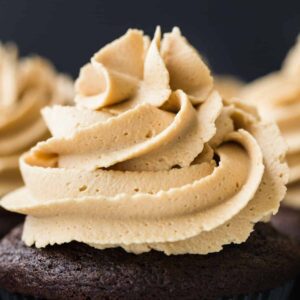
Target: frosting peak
(151, 157)
(131, 69)
(26, 85)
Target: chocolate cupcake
(26, 85)
(277, 96)
(150, 187)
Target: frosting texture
(228, 86)
(151, 157)
(26, 86)
(277, 96)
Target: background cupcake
(277, 96)
(149, 164)
(26, 85)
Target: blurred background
(242, 38)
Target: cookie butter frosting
(277, 96)
(26, 86)
(228, 86)
(151, 157)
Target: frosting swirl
(277, 96)
(151, 157)
(26, 86)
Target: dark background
(243, 38)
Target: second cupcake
(26, 85)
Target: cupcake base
(280, 293)
(287, 221)
(267, 262)
(8, 221)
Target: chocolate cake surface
(287, 221)
(77, 271)
(8, 220)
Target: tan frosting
(228, 86)
(278, 97)
(150, 158)
(26, 86)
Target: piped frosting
(277, 96)
(151, 157)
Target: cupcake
(151, 187)
(26, 85)
(277, 96)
